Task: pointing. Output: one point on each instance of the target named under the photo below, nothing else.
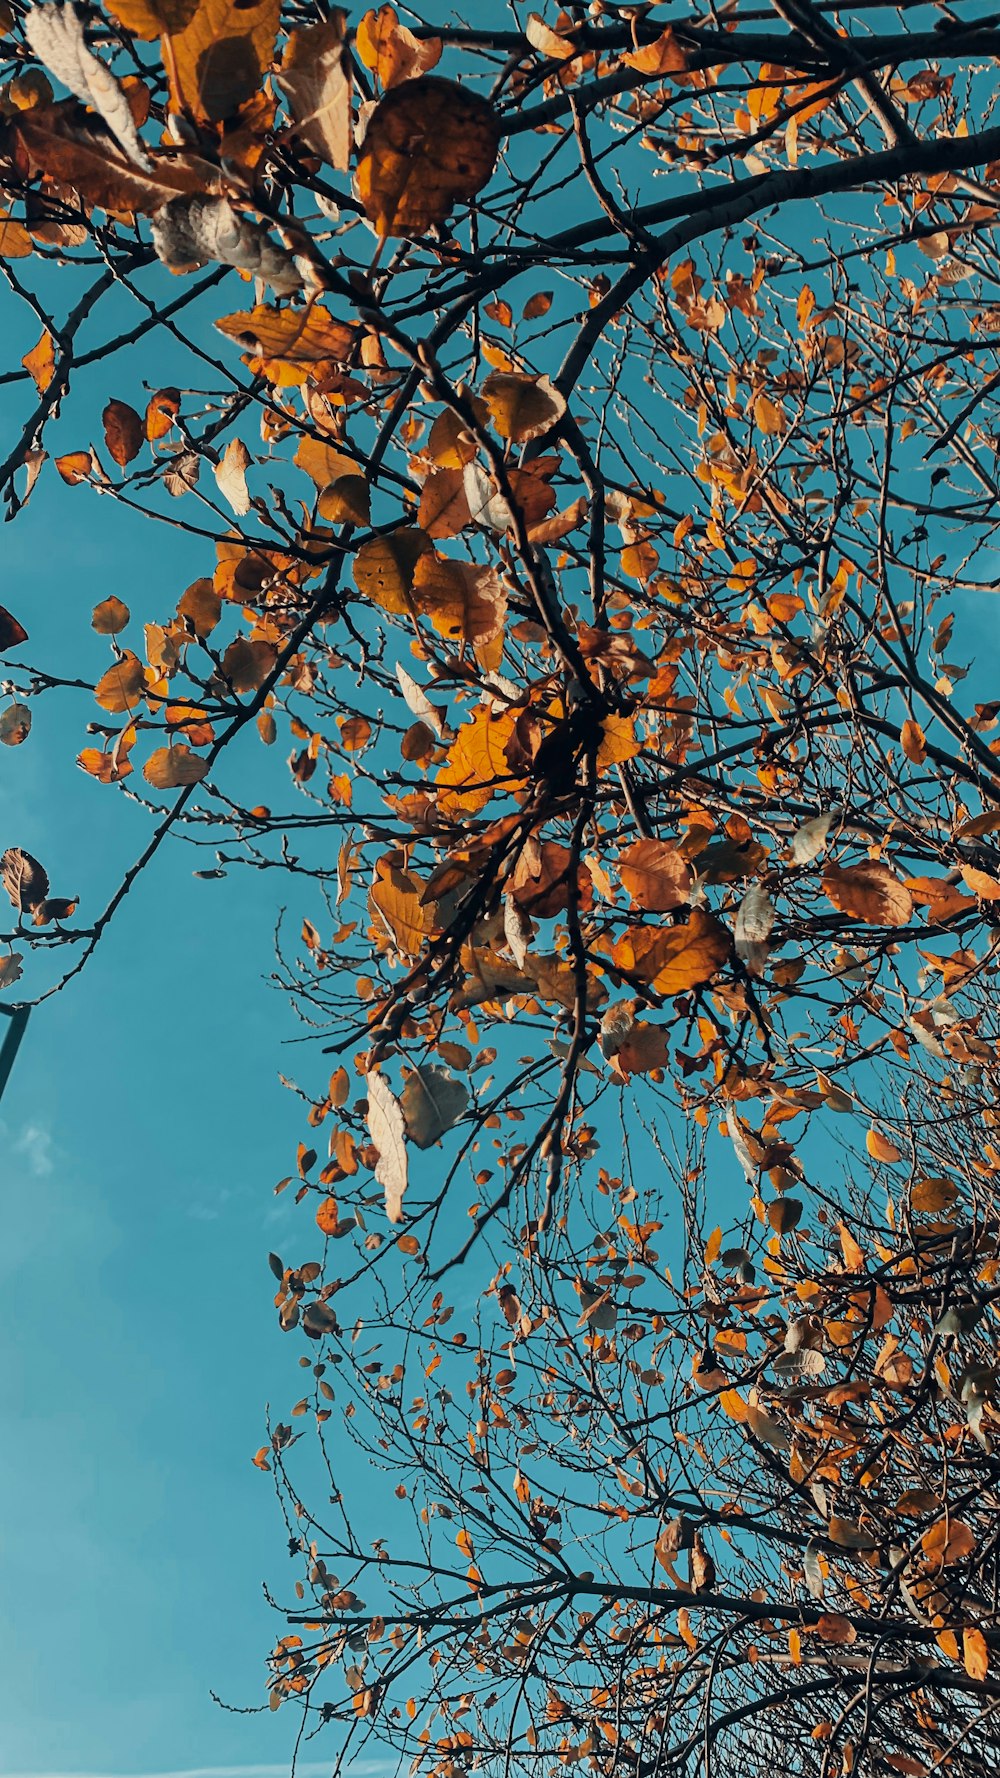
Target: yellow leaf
(975, 1654)
(520, 406)
(15, 241)
(930, 1196)
(397, 899)
(169, 768)
(463, 600)
(391, 51)
(948, 1541)
(769, 417)
(40, 363)
(663, 56)
(619, 742)
(981, 883)
(122, 686)
(477, 766)
(880, 1148)
(384, 568)
(218, 60)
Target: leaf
(391, 51)
(61, 142)
(537, 305)
(189, 232)
(289, 341)
(444, 504)
(55, 34)
(548, 42)
(975, 1653)
(201, 607)
(429, 145)
(10, 968)
(848, 1535)
(75, 467)
(124, 432)
(153, 18)
(170, 768)
(948, 1541)
(122, 686)
(110, 616)
(463, 600)
(913, 741)
(231, 475)
(833, 1628)
(769, 417)
(397, 899)
(657, 876)
(246, 664)
(433, 1101)
(870, 892)
(663, 56)
(40, 362)
(984, 886)
(387, 1130)
(522, 407)
(880, 1148)
(384, 568)
(929, 1197)
(675, 958)
(15, 241)
(315, 77)
(809, 840)
(477, 765)
(418, 701)
(15, 724)
(12, 633)
(221, 56)
(24, 879)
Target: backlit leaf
(429, 145)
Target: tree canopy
(583, 426)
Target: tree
(598, 545)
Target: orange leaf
(429, 145)
(913, 741)
(975, 1654)
(657, 876)
(870, 892)
(880, 1148)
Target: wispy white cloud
(303, 1769)
(35, 1144)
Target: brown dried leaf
(124, 432)
(15, 724)
(429, 145)
(657, 876)
(869, 891)
(24, 879)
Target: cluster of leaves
(597, 553)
